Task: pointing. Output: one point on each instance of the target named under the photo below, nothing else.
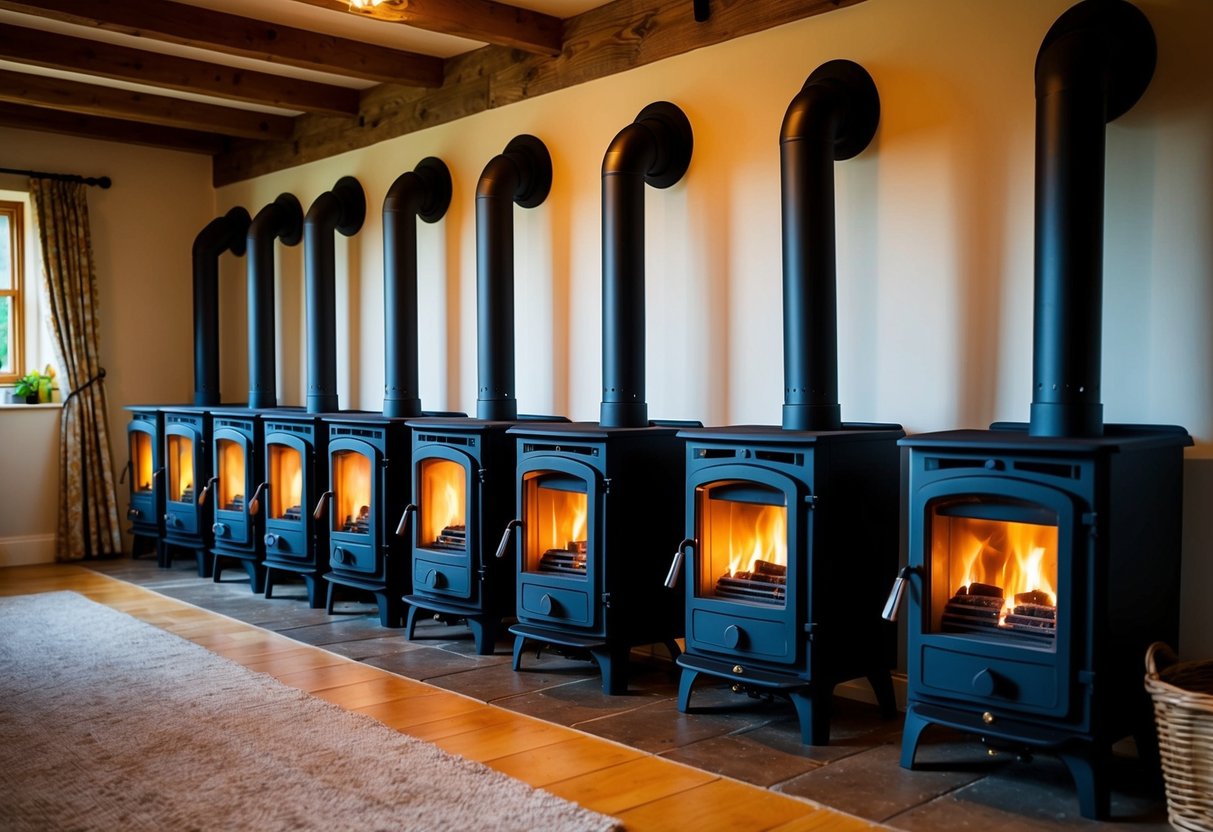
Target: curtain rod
(100, 181)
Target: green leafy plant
(32, 383)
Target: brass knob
(738, 669)
(987, 718)
(991, 752)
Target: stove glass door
(994, 569)
(743, 537)
(142, 464)
(351, 479)
(556, 510)
(230, 468)
(180, 467)
(285, 483)
(442, 505)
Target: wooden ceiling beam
(24, 117)
(73, 96)
(234, 35)
(43, 49)
(499, 24)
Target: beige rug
(108, 723)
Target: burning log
(294, 514)
(360, 524)
(569, 560)
(979, 608)
(187, 495)
(235, 504)
(765, 584)
(452, 537)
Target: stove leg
(613, 662)
(164, 558)
(390, 614)
(410, 621)
(910, 734)
(328, 604)
(882, 685)
(484, 631)
(205, 567)
(684, 689)
(813, 709)
(1088, 767)
(269, 582)
(519, 646)
(314, 599)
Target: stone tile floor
(959, 787)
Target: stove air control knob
(985, 682)
(434, 579)
(733, 636)
(133, 513)
(220, 529)
(340, 555)
(271, 541)
(546, 604)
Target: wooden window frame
(15, 211)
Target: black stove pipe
(521, 174)
(221, 234)
(282, 219)
(422, 192)
(341, 209)
(832, 118)
(655, 148)
(1093, 66)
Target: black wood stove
(792, 532)
(145, 435)
(1045, 558)
(296, 473)
(236, 485)
(187, 459)
(463, 469)
(598, 503)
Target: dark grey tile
(748, 756)
(659, 727)
(557, 699)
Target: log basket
(1182, 693)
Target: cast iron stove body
(598, 516)
(296, 474)
(792, 535)
(188, 512)
(1040, 570)
(237, 484)
(145, 440)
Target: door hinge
(810, 500)
(606, 599)
(606, 485)
(808, 629)
(482, 473)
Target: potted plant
(34, 385)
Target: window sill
(22, 406)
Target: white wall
(143, 230)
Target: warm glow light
(1018, 557)
(180, 468)
(231, 475)
(443, 501)
(364, 4)
(285, 479)
(757, 533)
(351, 492)
(141, 457)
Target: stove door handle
(403, 525)
(254, 505)
(125, 470)
(505, 538)
(895, 595)
(671, 578)
(318, 512)
(206, 489)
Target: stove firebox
(296, 473)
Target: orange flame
(351, 486)
(443, 500)
(231, 471)
(564, 515)
(141, 457)
(1018, 557)
(285, 479)
(181, 466)
(756, 533)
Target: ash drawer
(442, 578)
(353, 557)
(548, 603)
(740, 636)
(1033, 685)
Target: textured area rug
(108, 723)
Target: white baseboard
(27, 550)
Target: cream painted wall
(143, 229)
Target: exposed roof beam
(30, 46)
(39, 91)
(495, 23)
(110, 129)
(228, 33)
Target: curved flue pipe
(655, 149)
(520, 174)
(281, 220)
(342, 209)
(1093, 66)
(833, 117)
(423, 192)
(221, 234)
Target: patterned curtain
(88, 506)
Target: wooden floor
(645, 791)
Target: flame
(351, 480)
(756, 532)
(563, 514)
(181, 466)
(141, 456)
(231, 471)
(443, 501)
(285, 479)
(1018, 557)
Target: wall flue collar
(342, 209)
(1094, 64)
(522, 175)
(282, 220)
(221, 234)
(654, 149)
(833, 118)
(423, 192)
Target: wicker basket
(1183, 708)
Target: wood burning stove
(1044, 558)
(296, 473)
(145, 434)
(598, 503)
(187, 513)
(463, 469)
(238, 479)
(790, 529)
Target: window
(12, 310)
